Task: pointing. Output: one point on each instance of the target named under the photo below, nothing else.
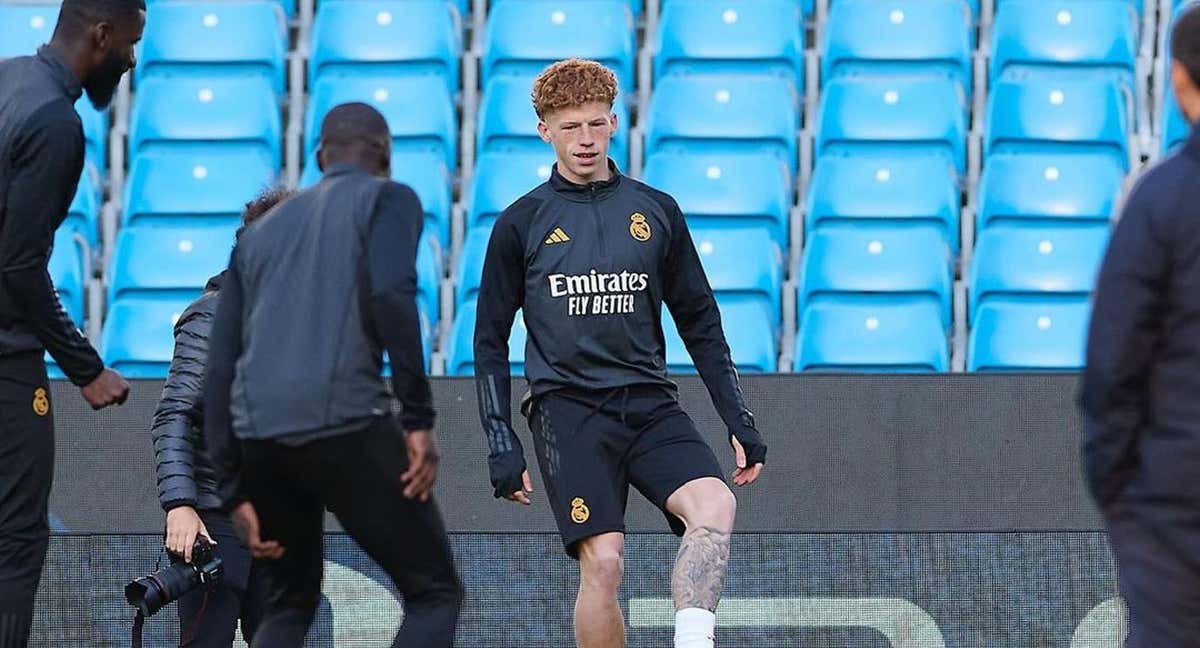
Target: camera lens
(150, 593)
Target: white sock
(695, 628)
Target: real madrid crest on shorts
(579, 511)
(639, 229)
(41, 404)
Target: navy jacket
(41, 157)
(1141, 388)
(591, 266)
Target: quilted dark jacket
(185, 474)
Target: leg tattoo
(700, 566)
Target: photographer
(186, 483)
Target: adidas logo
(557, 236)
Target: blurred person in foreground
(41, 159)
(1141, 387)
(187, 487)
(591, 256)
(297, 416)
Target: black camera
(150, 593)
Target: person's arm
(501, 295)
(48, 160)
(178, 417)
(225, 346)
(689, 297)
(1125, 330)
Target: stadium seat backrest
(429, 264)
(750, 336)
(1029, 336)
(766, 36)
(1060, 187)
(95, 133)
(922, 115)
(469, 272)
(214, 184)
(66, 271)
(743, 265)
(206, 113)
(25, 27)
(524, 37)
(720, 113)
(204, 38)
(726, 189)
(1035, 262)
(168, 259)
(388, 36)
(894, 264)
(907, 36)
(1049, 35)
(508, 122)
(419, 110)
(874, 190)
(83, 215)
(501, 177)
(138, 338)
(1038, 114)
(840, 336)
(461, 353)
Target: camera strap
(138, 622)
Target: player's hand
(422, 465)
(743, 475)
(522, 496)
(183, 525)
(245, 524)
(106, 389)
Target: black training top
(41, 157)
(591, 266)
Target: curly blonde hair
(572, 82)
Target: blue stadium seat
(429, 278)
(903, 37)
(1029, 336)
(25, 27)
(766, 36)
(1051, 186)
(138, 338)
(288, 6)
(869, 336)
(83, 216)
(524, 37)
(903, 116)
(726, 190)
(168, 259)
(1173, 126)
(750, 337)
(470, 266)
(744, 266)
(190, 114)
(426, 126)
(891, 265)
(1035, 114)
(507, 121)
(1019, 264)
(180, 37)
(635, 7)
(460, 357)
(875, 190)
(500, 179)
(165, 186)
(724, 113)
(95, 133)
(1056, 36)
(66, 271)
(386, 37)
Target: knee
(602, 567)
(711, 505)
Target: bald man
(296, 412)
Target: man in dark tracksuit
(314, 293)
(591, 256)
(1141, 388)
(41, 158)
(187, 486)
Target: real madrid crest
(41, 404)
(639, 229)
(579, 511)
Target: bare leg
(707, 508)
(598, 620)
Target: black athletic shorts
(592, 445)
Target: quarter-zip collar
(585, 192)
(61, 72)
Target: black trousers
(26, 474)
(357, 477)
(209, 618)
